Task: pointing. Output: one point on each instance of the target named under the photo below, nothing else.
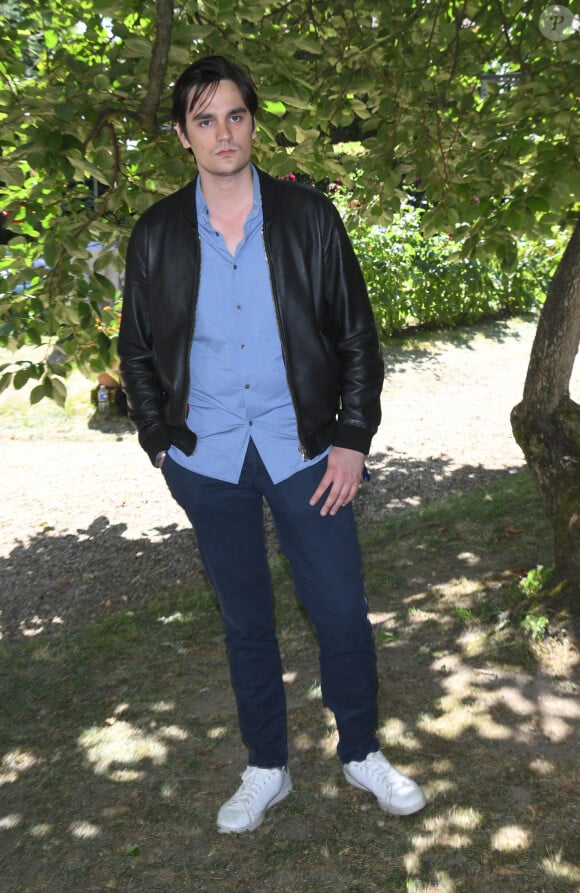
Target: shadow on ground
(53, 583)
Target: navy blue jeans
(325, 561)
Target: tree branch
(158, 65)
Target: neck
(228, 194)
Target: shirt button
(250, 423)
(247, 387)
(239, 306)
(242, 346)
(235, 266)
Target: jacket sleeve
(135, 346)
(356, 339)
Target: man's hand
(342, 479)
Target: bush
(415, 281)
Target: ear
(182, 137)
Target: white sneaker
(395, 792)
(260, 789)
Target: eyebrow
(204, 116)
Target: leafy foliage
(419, 281)
(467, 102)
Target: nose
(224, 131)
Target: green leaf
(5, 381)
(296, 102)
(37, 394)
(274, 108)
(59, 391)
(51, 39)
(50, 250)
(23, 375)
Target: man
(253, 371)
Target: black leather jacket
(329, 339)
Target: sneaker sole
(412, 808)
(282, 793)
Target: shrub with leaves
(415, 280)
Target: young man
(253, 371)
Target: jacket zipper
(192, 330)
(301, 447)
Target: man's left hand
(342, 479)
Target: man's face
(219, 130)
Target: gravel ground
(87, 526)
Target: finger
(321, 489)
(338, 497)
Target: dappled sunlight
(116, 749)
(440, 782)
(510, 837)
(84, 830)
(216, 733)
(330, 790)
(36, 625)
(457, 718)
(444, 884)
(41, 830)
(420, 615)
(554, 716)
(493, 706)
(559, 869)
(384, 618)
(473, 642)
(178, 617)
(515, 700)
(459, 587)
(327, 745)
(315, 692)
(9, 822)
(168, 791)
(438, 788)
(469, 558)
(450, 830)
(394, 732)
(542, 766)
(163, 707)
(15, 763)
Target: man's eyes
(207, 122)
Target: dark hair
(205, 74)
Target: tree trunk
(158, 64)
(546, 424)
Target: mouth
(224, 153)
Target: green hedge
(415, 281)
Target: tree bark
(546, 424)
(158, 64)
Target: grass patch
(119, 742)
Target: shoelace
(253, 780)
(382, 771)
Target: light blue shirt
(238, 386)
